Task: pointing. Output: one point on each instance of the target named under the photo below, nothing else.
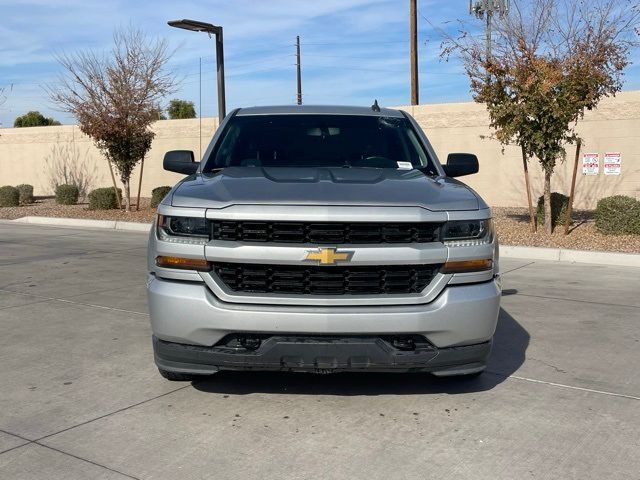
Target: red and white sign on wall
(612, 163)
(591, 164)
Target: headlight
(465, 233)
(183, 229)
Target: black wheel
(177, 377)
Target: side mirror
(180, 161)
(460, 164)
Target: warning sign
(612, 163)
(591, 164)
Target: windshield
(356, 141)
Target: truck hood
(323, 186)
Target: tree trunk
(127, 195)
(115, 186)
(567, 220)
(548, 225)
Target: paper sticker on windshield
(405, 165)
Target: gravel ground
(511, 224)
(47, 207)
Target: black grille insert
(319, 280)
(332, 233)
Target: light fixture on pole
(196, 26)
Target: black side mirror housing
(460, 164)
(180, 161)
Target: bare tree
(550, 60)
(67, 165)
(116, 97)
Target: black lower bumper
(321, 354)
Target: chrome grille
(319, 280)
(324, 233)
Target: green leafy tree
(550, 61)
(116, 97)
(34, 119)
(181, 109)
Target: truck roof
(318, 110)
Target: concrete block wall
(455, 127)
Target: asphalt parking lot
(80, 396)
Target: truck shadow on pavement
(510, 344)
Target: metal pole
(298, 68)
(489, 14)
(222, 107)
(413, 42)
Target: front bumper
(322, 354)
(188, 314)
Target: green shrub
(157, 194)
(618, 215)
(559, 205)
(104, 199)
(9, 196)
(26, 193)
(67, 194)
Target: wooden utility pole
(413, 42)
(298, 69)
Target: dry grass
(512, 225)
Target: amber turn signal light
(183, 263)
(466, 266)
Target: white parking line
(72, 302)
(571, 387)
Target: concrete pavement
(81, 398)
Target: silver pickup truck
(322, 239)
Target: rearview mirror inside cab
(180, 161)
(460, 164)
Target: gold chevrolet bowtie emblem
(328, 256)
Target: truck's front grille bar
(325, 233)
(320, 280)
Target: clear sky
(353, 51)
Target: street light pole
(196, 26)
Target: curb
(506, 251)
(571, 256)
(86, 223)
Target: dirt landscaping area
(47, 207)
(512, 225)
